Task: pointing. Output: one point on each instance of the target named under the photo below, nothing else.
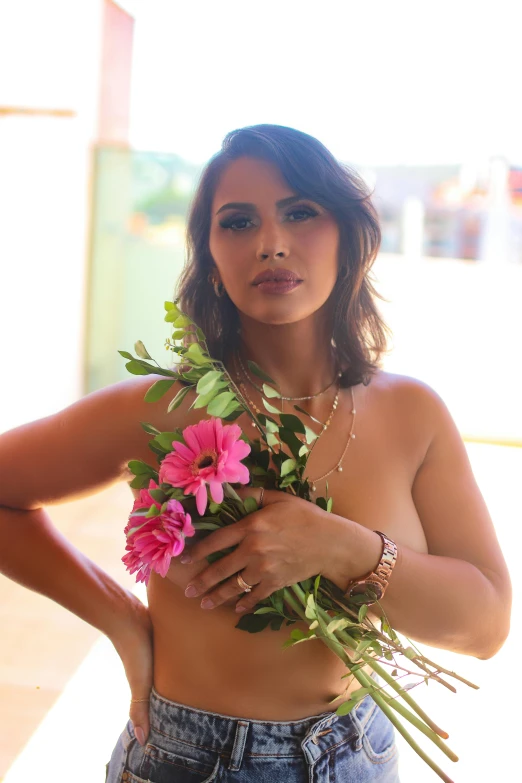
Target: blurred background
(108, 112)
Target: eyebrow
(284, 202)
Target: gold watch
(372, 586)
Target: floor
(62, 688)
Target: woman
(281, 241)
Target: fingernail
(190, 591)
(207, 603)
(240, 608)
(185, 559)
(140, 735)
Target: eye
(305, 211)
(235, 222)
(239, 223)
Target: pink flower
(157, 541)
(211, 456)
(144, 500)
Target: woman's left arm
(458, 596)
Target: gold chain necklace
(297, 399)
(351, 435)
(339, 465)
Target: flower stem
(366, 681)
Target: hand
(285, 542)
(134, 646)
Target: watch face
(372, 590)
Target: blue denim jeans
(188, 745)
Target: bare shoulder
(83, 447)
(418, 411)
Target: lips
(276, 276)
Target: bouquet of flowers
(175, 501)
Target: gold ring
(261, 495)
(245, 587)
(134, 701)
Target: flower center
(204, 460)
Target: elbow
(496, 623)
(494, 644)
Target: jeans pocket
(379, 738)
(181, 763)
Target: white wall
(49, 60)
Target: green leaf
(287, 467)
(410, 653)
(199, 525)
(178, 399)
(270, 408)
(310, 611)
(292, 423)
(203, 400)
(271, 439)
(208, 381)
(264, 610)
(195, 354)
(253, 623)
(310, 435)
(149, 428)
(321, 502)
(345, 707)
(166, 439)
(271, 426)
(276, 623)
(231, 408)
(178, 334)
(250, 505)
(329, 505)
(140, 468)
(141, 350)
(170, 306)
(362, 612)
(126, 355)
(278, 600)
(338, 624)
(171, 316)
(317, 582)
(182, 321)
(269, 391)
(157, 390)
(230, 492)
(157, 494)
(303, 450)
(220, 403)
(136, 369)
(256, 370)
(291, 440)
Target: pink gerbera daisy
(157, 541)
(210, 455)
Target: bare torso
(202, 660)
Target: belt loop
(239, 745)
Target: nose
(271, 245)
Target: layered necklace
(339, 464)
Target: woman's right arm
(75, 452)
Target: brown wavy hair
(359, 332)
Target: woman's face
(260, 226)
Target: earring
(219, 288)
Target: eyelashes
(233, 221)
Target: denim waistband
(238, 737)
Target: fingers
(222, 573)
(139, 715)
(220, 539)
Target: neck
(298, 356)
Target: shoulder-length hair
(359, 332)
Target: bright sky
(377, 82)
